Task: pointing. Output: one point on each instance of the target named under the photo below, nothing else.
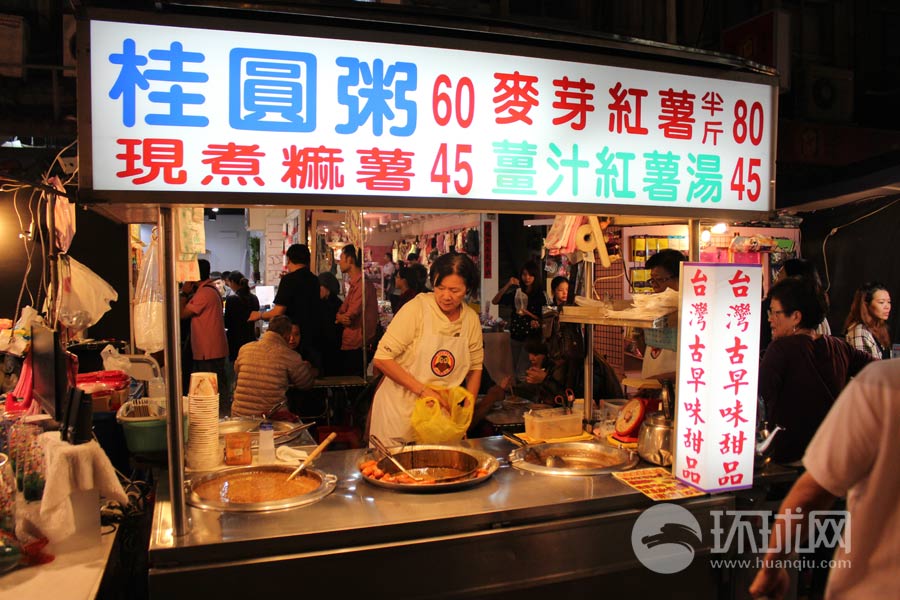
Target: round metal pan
(325, 485)
(436, 461)
(579, 458)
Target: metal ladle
(379, 445)
(553, 461)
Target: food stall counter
(515, 529)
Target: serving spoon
(313, 455)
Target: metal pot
(573, 458)
(656, 439)
(438, 459)
(325, 485)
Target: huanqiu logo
(665, 538)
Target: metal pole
(174, 426)
(694, 237)
(589, 347)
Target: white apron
(435, 359)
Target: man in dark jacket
(298, 298)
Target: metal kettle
(764, 439)
(656, 439)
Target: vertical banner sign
(718, 368)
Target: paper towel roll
(584, 239)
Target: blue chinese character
(272, 90)
(130, 77)
(176, 98)
(376, 94)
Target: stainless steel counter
(579, 527)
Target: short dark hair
(298, 254)
(454, 263)
(415, 276)
(797, 293)
(203, 266)
(355, 254)
(667, 259)
(280, 324)
(535, 345)
(328, 281)
(557, 281)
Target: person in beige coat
(266, 369)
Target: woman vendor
(434, 342)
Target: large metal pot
(572, 458)
(656, 439)
(322, 485)
(440, 459)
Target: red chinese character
(516, 96)
(733, 414)
(696, 347)
(689, 472)
(676, 114)
(712, 103)
(159, 155)
(576, 102)
(735, 479)
(231, 159)
(315, 168)
(698, 312)
(713, 128)
(622, 114)
(737, 380)
(741, 313)
(699, 280)
(693, 439)
(697, 374)
(693, 411)
(385, 169)
(730, 475)
(734, 353)
(740, 291)
(732, 444)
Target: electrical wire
(836, 229)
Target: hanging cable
(836, 229)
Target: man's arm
(806, 495)
(267, 315)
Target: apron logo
(442, 363)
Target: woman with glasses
(804, 269)
(866, 324)
(434, 342)
(802, 372)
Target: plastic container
(145, 434)
(552, 423)
(266, 443)
(237, 448)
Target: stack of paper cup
(203, 428)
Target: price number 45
(750, 183)
(439, 173)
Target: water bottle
(266, 443)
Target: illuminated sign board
(195, 110)
(718, 370)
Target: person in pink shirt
(202, 304)
(350, 314)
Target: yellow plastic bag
(431, 425)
